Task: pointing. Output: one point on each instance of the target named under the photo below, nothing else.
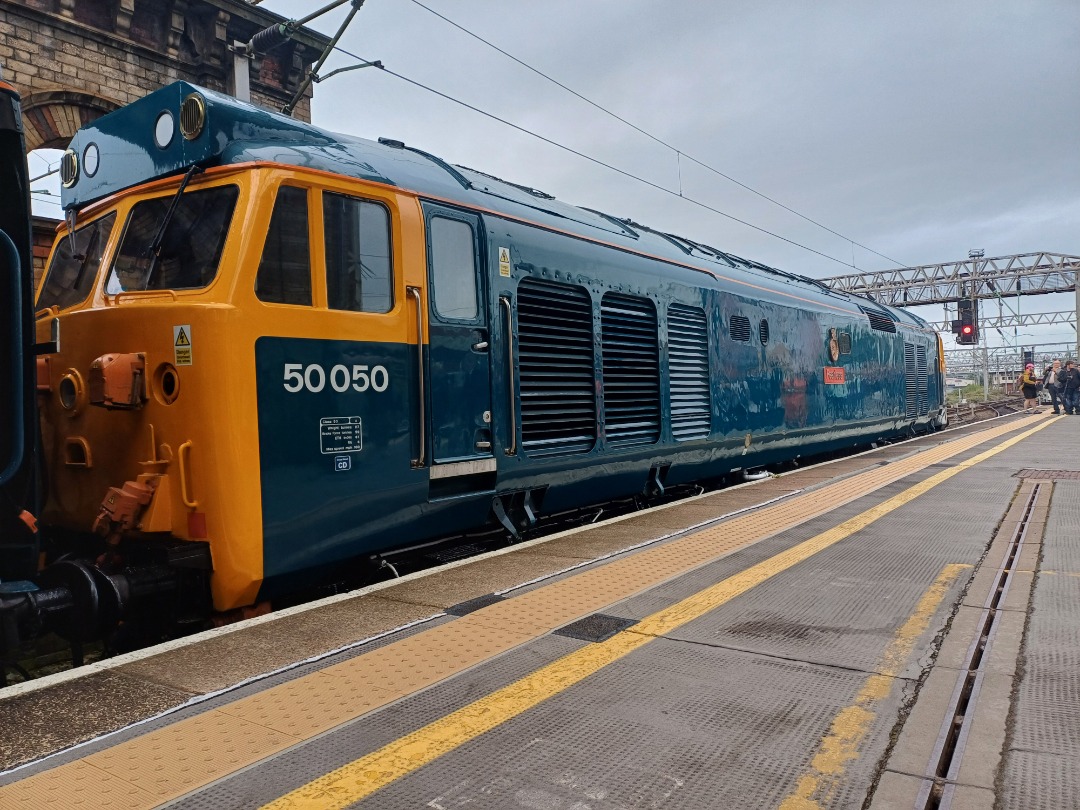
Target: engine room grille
(555, 365)
(688, 370)
(878, 319)
(921, 381)
(740, 328)
(631, 354)
(910, 380)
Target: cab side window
(359, 270)
(284, 275)
(453, 268)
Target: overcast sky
(919, 129)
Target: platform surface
(797, 642)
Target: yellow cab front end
(144, 346)
(149, 392)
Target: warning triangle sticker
(182, 338)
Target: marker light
(163, 129)
(91, 159)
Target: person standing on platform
(1050, 382)
(1029, 383)
(1069, 381)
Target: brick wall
(74, 60)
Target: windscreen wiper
(84, 259)
(153, 250)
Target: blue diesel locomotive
(275, 349)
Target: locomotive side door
(458, 366)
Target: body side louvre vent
(688, 370)
(740, 328)
(878, 319)
(922, 381)
(911, 408)
(555, 363)
(631, 355)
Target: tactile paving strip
(440, 652)
(166, 763)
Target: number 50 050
(314, 378)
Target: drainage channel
(949, 749)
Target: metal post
(1076, 324)
(986, 373)
(241, 75)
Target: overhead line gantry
(974, 277)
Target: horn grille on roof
(69, 168)
(192, 116)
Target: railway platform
(897, 629)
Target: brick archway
(51, 118)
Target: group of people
(1063, 385)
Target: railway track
(968, 412)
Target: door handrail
(508, 308)
(414, 292)
(183, 456)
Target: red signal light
(966, 329)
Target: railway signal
(966, 326)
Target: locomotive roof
(128, 152)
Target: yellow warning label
(182, 344)
(504, 262)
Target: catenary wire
(661, 141)
(599, 162)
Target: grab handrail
(414, 292)
(182, 457)
(508, 308)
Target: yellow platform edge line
(368, 774)
(850, 726)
